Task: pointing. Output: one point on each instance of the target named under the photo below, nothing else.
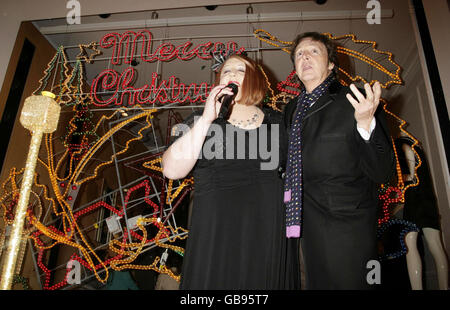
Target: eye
(315, 51)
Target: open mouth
(235, 82)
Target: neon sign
(130, 40)
(119, 91)
(113, 88)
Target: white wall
(438, 18)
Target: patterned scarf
(293, 196)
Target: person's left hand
(365, 107)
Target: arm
(179, 159)
(410, 160)
(377, 157)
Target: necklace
(245, 123)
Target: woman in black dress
(237, 233)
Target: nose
(233, 72)
(306, 55)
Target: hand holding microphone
(226, 101)
(219, 101)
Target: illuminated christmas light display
(40, 114)
(158, 92)
(392, 77)
(86, 137)
(164, 52)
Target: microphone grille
(234, 87)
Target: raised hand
(212, 105)
(365, 107)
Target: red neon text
(129, 41)
(110, 88)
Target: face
(311, 63)
(233, 71)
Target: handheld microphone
(226, 100)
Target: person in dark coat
(339, 153)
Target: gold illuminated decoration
(265, 36)
(70, 225)
(67, 215)
(284, 97)
(394, 77)
(70, 90)
(400, 183)
(170, 197)
(8, 201)
(83, 55)
(122, 264)
(40, 114)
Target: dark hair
(325, 40)
(254, 86)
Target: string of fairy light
(67, 213)
(70, 93)
(270, 39)
(12, 197)
(71, 225)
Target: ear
(330, 66)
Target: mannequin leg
(413, 261)
(433, 238)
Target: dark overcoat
(341, 177)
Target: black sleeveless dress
(420, 205)
(237, 234)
